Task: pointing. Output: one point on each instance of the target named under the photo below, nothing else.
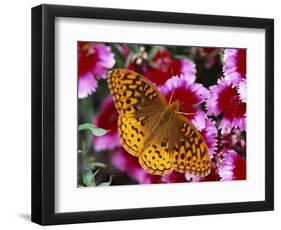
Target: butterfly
(153, 129)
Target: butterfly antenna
(171, 97)
(186, 113)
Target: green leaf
(129, 59)
(93, 165)
(153, 51)
(118, 56)
(98, 165)
(107, 183)
(182, 56)
(84, 148)
(133, 47)
(95, 130)
(94, 177)
(221, 57)
(88, 178)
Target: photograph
(160, 114)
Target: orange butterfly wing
(190, 151)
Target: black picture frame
(43, 114)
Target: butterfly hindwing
(190, 152)
(131, 133)
(156, 155)
(155, 159)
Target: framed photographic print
(143, 114)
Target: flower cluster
(215, 103)
(93, 62)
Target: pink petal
(87, 84)
(108, 141)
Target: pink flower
(213, 176)
(190, 95)
(94, 60)
(232, 139)
(210, 135)
(173, 177)
(129, 164)
(186, 68)
(233, 167)
(86, 85)
(234, 65)
(107, 119)
(165, 67)
(242, 90)
(123, 49)
(225, 99)
(163, 59)
(192, 178)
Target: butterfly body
(153, 130)
(165, 117)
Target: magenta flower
(94, 60)
(232, 139)
(234, 65)
(106, 119)
(123, 49)
(210, 135)
(165, 67)
(192, 178)
(173, 177)
(213, 176)
(232, 167)
(190, 95)
(129, 164)
(164, 72)
(87, 84)
(177, 177)
(242, 90)
(225, 99)
(186, 68)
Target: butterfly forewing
(139, 104)
(132, 94)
